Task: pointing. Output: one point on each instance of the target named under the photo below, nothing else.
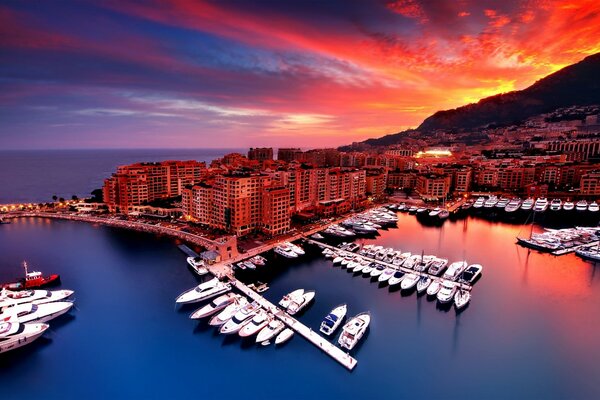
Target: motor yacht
(292, 296)
(241, 318)
(295, 248)
(437, 266)
(284, 336)
(527, 204)
(447, 291)
(454, 270)
(490, 202)
(591, 254)
(541, 204)
(556, 205)
(461, 298)
(203, 291)
(228, 312)
(359, 266)
(258, 260)
(377, 271)
(317, 236)
(215, 306)
(502, 203)
(334, 319)
(444, 214)
(270, 331)
(581, 205)
(39, 297)
(409, 281)
(423, 263)
(593, 207)
(354, 330)
(411, 261)
(479, 202)
(568, 206)
(434, 288)
(386, 274)
(259, 321)
(434, 212)
(299, 303)
(368, 268)
(396, 278)
(197, 265)
(286, 251)
(513, 205)
(14, 334)
(28, 312)
(423, 283)
(471, 274)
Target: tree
(55, 197)
(62, 199)
(74, 197)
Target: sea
(530, 332)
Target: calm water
(531, 331)
(35, 176)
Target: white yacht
(502, 203)
(295, 248)
(461, 298)
(334, 319)
(479, 202)
(527, 204)
(447, 291)
(260, 320)
(258, 260)
(434, 288)
(378, 270)
(396, 278)
(513, 205)
(411, 261)
(593, 207)
(284, 336)
(354, 330)
(409, 281)
(435, 212)
(367, 269)
(490, 202)
(203, 291)
(299, 303)
(581, 205)
(556, 205)
(269, 331)
(28, 312)
(454, 270)
(568, 206)
(197, 265)
(541, 204)
(9, 298)
(228, 312)
(471, 274)
(240, 319)
(285, 251)
(437, 266)
(386, 275)
(14, 334)
(215, 306)
(317, 236)
(423, 283)
(288, 298)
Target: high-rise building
(433, 186)
(288, 154)
(260, 153)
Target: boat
(437, 266)
(241, 318)
(540, 205)
(479, 202)
(317, 236)
(14, 334)
(259, 321)
(461, 298)
(502, 203)
(3, 222)
(513, 205)
(591, 254)
(203, 291)
(270, 330)
(285, 251)
(215, 306)
(33, 279)
(386, 274)
(258, 260)
(581, 205)
(10, 298)
(299, 303)
(444, 214)
(423, 283)
(228, 312)
(197, 265)
(568, 206)
(378, 270)
(288, 298)
(471, 274)
(295, 248)
(411, 261)
(527, 204)
(555, 205)
(434, 288)
(396, 278)
(354, 330)
(284, 336)
(490, 202)
(454, 270)
(593, 207)
(28, 312)
(409, 281)
(333, 320)
(446, 293)
(368, 268)
(434, 212)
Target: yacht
(295, 248)
(396, 278)
(513, 205)
(447, 291)
(434, 288)
(215, 306)
(444, 214)
(299, 303)
(14, 334)
(471, 274)
(359, 266)
(461, 298)
(228, 312)
(39, 297)
(479, 202)
(423, 263)
(591, 254)
(434, 212)
(423, 283)
(197, 265)
(412, 209)
(490, 202)
(258, 260)
(386, 274)
(555, 205)
(203, 291)
(368, 268)
(454, 270)
(288, 298)
(568, 206)
(271, 330)
(377, 271)
(241, 318)
(581, 205)
(285, 251)
(502, 203)
(411, 261)
(334, 319)
(593, 207)
(527, 204)
(437, 266)
(28, 312)
(541, 204)
(259, 321)
(354, 330)
(284, 336)
(317, 236)
(409, 281)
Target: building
(375, 184)
(260, 154)
(576, 149)
(401, 179)
(590, 184)
(462, 179)
(433, 186)
(276, 210)
(288, 154)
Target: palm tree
(55, 197)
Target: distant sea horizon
(34, 176)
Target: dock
(188, 251)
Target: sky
(241, 73)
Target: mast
(25, 266)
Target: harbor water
(531, 330)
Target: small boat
(409, 281)
(33, 279)
(197, 265)
(540, 205)
(568, 206)
(228, 312)
(14, 334)
(527, 204)
(581, 205)
(299, 303)
(378, 270)
(285, 251)
(461, 298)
(471, 274)
(434, 212)
(396, 278)
(3, 222)
(295, 248)
(386, 274)
(258, 260)
(334, 319)
(203, 291)
(215, 306)
(444, 214)
(593, 207)
(284, 336)
(317, 236)
(288, 298)
(241, 318)
(368, 268)
(555, 205)
(354, 330)
(591, 254)
(423, 283)
(28, 312)
(437, 266)
(454, 270)
(269, 331)
(433, 288)
(446, 293)
(260, 320)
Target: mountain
(577, 84)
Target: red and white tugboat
(33, 279)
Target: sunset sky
(176, 73)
